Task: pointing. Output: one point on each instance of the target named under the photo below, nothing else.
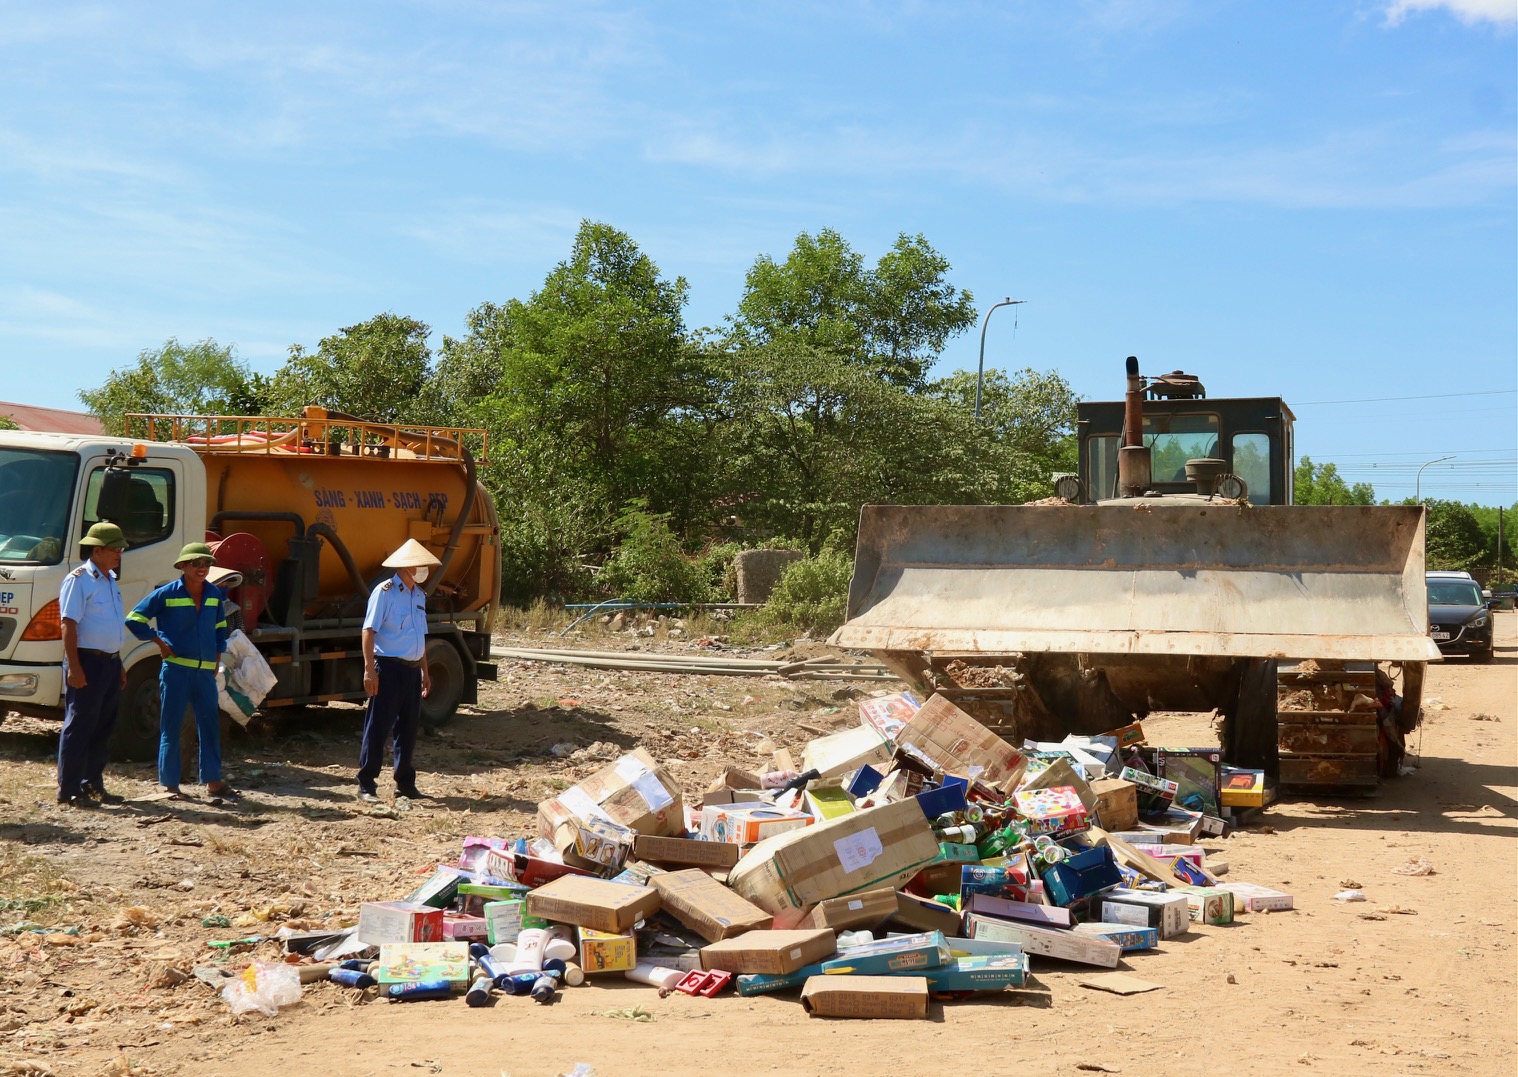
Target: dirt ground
(102, 914)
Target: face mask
(419, 574)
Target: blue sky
(1310, 199)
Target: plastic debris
(265, 987)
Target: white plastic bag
(263, 986)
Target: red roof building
(51, 420)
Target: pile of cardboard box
(918, 855)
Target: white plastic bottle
(530, 945)
(655, 976)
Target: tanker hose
(327, 532)
(470, 485)
(293, 518)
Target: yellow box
(601, 951)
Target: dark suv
(1459, 616)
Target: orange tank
(316, 488)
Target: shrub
(649, 565)
(812, 594)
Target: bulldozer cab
(1251, 435)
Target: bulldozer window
(1251, 462)
(1174, 439)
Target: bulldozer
(1171, 573)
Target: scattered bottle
(655, 976)
(419, 991)
(479, 993)
(350, 977)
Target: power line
(1384, 399)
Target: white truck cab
(49, 487)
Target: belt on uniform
(409, 663)
(191, 663)
(99, 653)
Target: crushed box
(840, 753)
(593, 903)
(1028, 913)
(634, 792)
(951, 741)
(903, 997)
(1046, 941)
(867, 850)
(889, 715)
(705, 906)
(1116, 803)
(770, 951)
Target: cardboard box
(522, 867)
(1126, 936)
(1167, 912)
(1116, 803)
(439, 890)
(898, 953)
(1057, 811)
(889, 715)
(1061, 772)
(461, 928)
(868, 909)
(769, 951)
(841, 753)
(382, 922)
(1047, 942)
(978, 973)
(707, 907)
(606, 951)
(924, 914)
(1002, 909)
(688, 852)
(883, 846)
(599, 842)
(1154, 794)
(593, 903)
(634, 792)
(904, 997)
(950, 740)
(1208, 904)
(1082, 874)
(503, 920)
(1251, 897)
(1240, 788)
(1127, 736)
(746, 824)
(416, 962)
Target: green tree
(1453, 536)
(893, 319)
(1487, 517)
(203, 378)
(597, 385)
(1026, 430)
(1321, 484)
(375, 370)
(468, 369)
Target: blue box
(948, 797)
(897, 953)
(866, 780)
(1125, 935)
(984, 973)
(1081, 875)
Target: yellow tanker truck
(300, 512)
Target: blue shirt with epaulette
(398, 616)
(92, 600)
(196, 635)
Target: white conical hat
(411, 555)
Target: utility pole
(980, 371)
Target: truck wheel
(446, 670)
(135, 736)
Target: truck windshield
(35, 490)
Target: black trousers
(397, 709)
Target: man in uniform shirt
(190, 614)
(89, 606)
(395, 670)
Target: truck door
(151, 526)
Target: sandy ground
(1418, 979)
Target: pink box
(464, 928)
(1027, 912)
(1056, 811)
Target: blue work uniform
(398, 616)
(197, 635)
(92, 600)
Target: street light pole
(1418, 483)
(980, 371)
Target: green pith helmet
(104, 533)
(194, 551)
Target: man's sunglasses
(202, 563)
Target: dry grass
(33, 889)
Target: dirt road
(1418, 979)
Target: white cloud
(1498, 12)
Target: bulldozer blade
(1209, 579)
